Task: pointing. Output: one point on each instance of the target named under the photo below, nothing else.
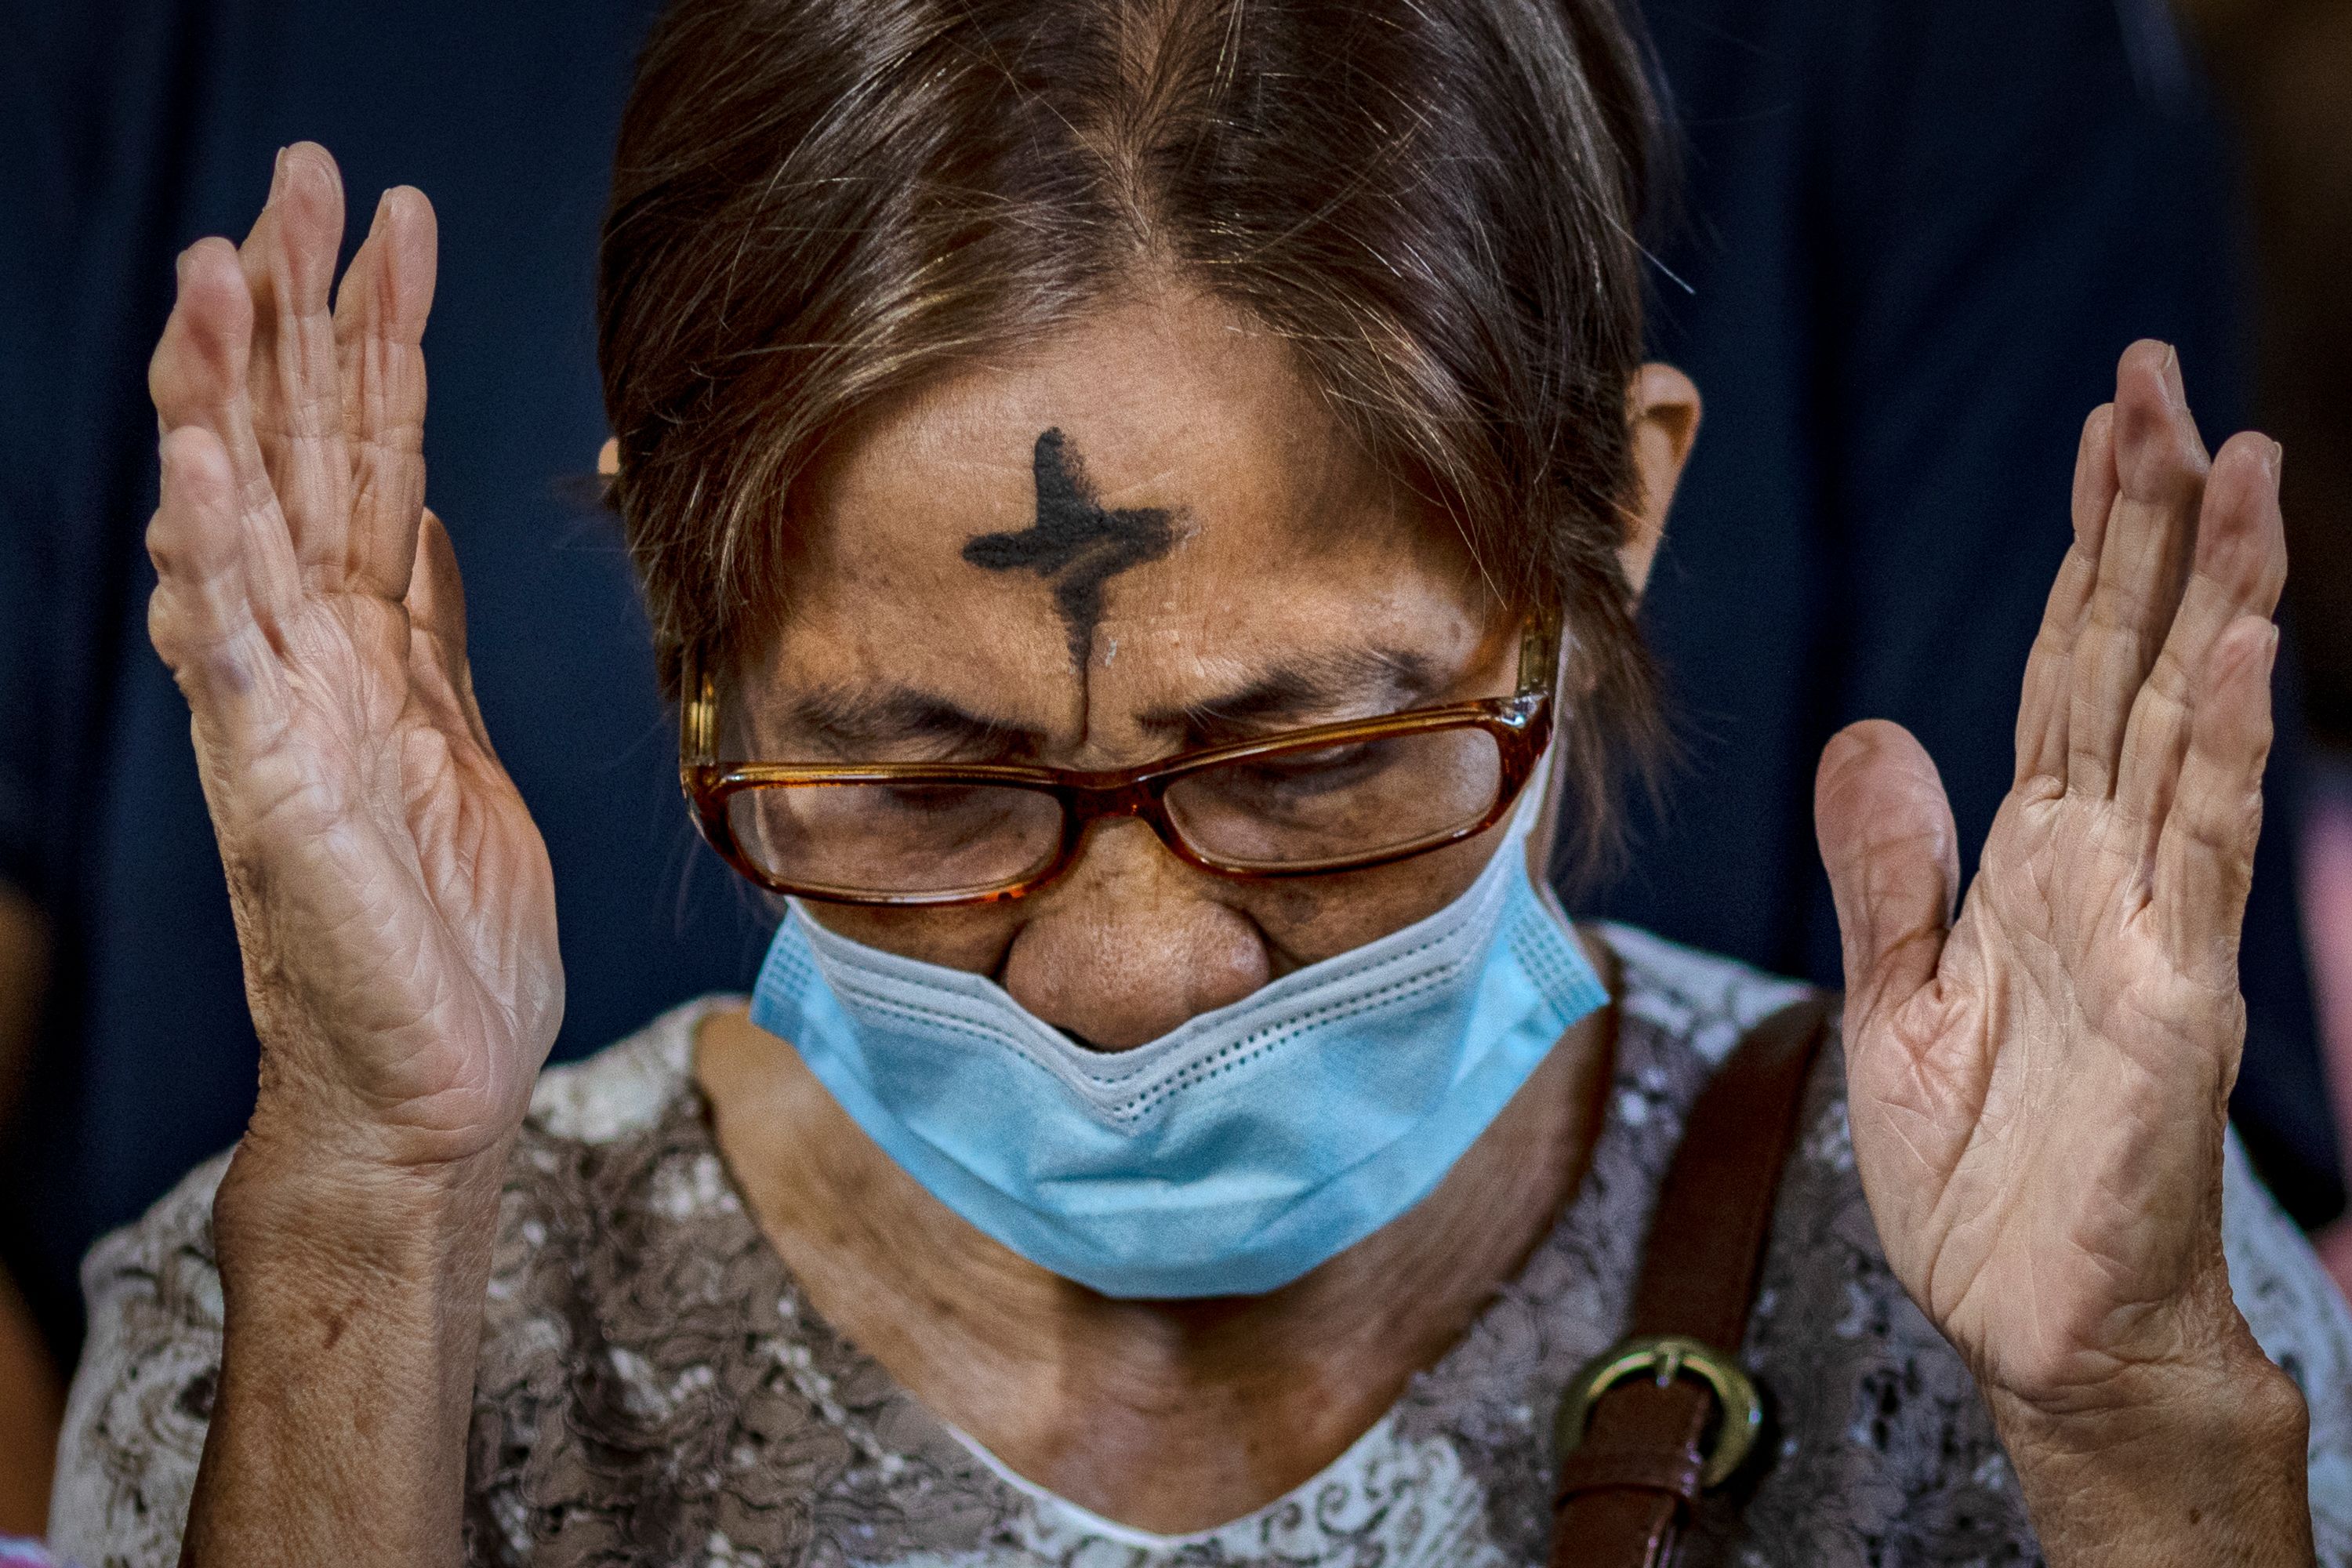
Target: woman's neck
(1169, 1417)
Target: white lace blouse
(653, 1388)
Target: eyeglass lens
(1365, 798)
(897, 839)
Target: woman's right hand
(392, 896)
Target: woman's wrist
(304, 1233)
(289, 1214)
(2189, 1463)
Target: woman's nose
(1128, 944)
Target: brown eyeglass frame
(1520, 725)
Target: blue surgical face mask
(1230, 1156)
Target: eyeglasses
(1333, 797)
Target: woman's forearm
(2209, 1469)
(352, 1307)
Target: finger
(298, 402)
(197, 378)
(2205, 857)
(2237, 570)
(2041, 713)
(198, 375)
(218, 595)
(436, 615)
(1892, 857)
(380, 313)
(2160, 468)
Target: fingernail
(2278, 460)
(277, 175)
(2175, 392)
(383, 206)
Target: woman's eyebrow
(851, 721)
(1349, 683)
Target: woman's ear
(1661, 409)
(1662, 406)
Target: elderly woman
(1142, 503)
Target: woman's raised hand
(2037, 1089)
(392, 897)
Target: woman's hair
(818, 204)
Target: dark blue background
(1920, 232)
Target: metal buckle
(1739, 1408)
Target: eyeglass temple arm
(697, 713)
(1540, 652)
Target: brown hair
(820, 202)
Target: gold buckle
(1665, 1357)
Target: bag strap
(1667, 1411)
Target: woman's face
(1144, 537)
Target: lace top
(654, 1390)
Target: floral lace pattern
(654, 1389)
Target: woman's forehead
(1171, 402)
(1158, 481)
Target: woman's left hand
(2039, 1088)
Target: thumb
(437, 611)
(1893, 855)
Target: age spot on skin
(1077, 543)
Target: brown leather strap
(1626, 1489)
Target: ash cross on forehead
(1077, 545)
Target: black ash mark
(1077, 545)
